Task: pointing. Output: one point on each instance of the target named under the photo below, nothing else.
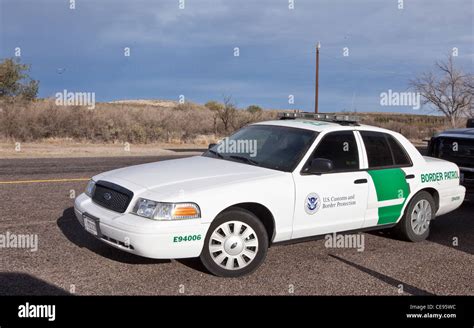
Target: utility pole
(316, 94)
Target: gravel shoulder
(65, 149)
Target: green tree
(225, 112)
(214, 105)
(254, 109)
(15, 81)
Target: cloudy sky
(190, 51)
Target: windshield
(274, 147)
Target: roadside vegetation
(185, 123)
(133, 123)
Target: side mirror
(211, 145)
(320, 165)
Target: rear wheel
(235, 245)
(415, 224)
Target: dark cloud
(190, 51)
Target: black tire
(404, 228)
(247, 218)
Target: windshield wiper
(244, 159)
(215, 153)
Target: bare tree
(469, 85)
(450, 91)
(228, 113)
(215, 108)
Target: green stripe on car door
(390, 184)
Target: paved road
(69, 260)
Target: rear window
(383, 150)
(400, 156)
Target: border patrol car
(308, 175)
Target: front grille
(112, 196)
(468, 180)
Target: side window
(383, 150)
(341, 149)
(400, 156)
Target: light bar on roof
(329, 117)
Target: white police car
(306, 175)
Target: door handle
(359, 181)
(409, 176)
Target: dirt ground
(77, 149)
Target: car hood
(186, 173)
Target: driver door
(336, 200)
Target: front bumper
(141, 236)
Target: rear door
(389, 171)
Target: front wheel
(415, 224)
(235, 245)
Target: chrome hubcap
(421, 217)
(233, 245)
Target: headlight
(166, 211)
(90, 188)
